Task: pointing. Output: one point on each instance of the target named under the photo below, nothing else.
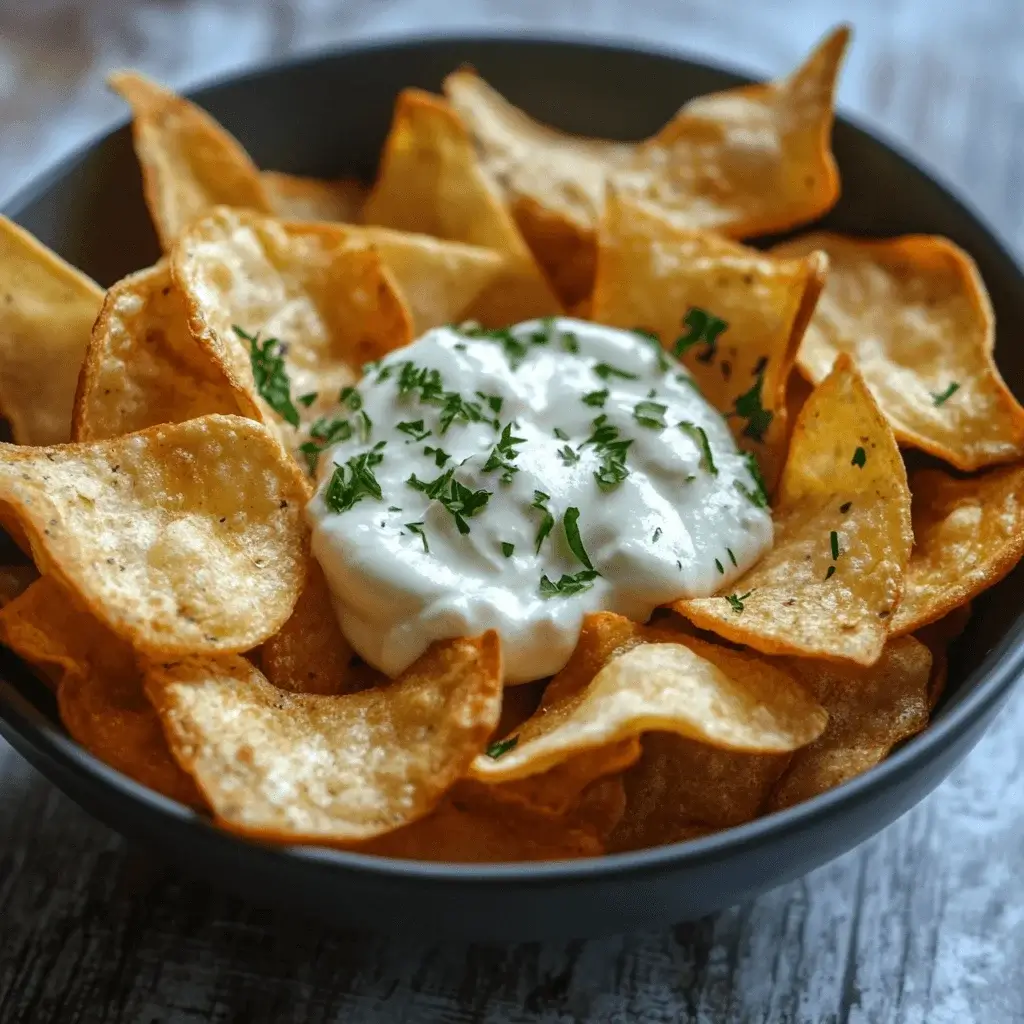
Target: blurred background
(932, 73)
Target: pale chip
(914, 315)
(99, 687)
(184, 538)
(296, 767)
(143, 367)
(870, 710)
(47, 309)
(297, 198)
(430, 183)
(656, 275)
(834, 578)
(189, 163)
(968, 534)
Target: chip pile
(166, 432)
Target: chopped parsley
(308, 399)
(700, 439)
(502, 455)
(547, 523)
(270, 375)
(354, 481)
(567, 455)
(415, 430)
(650, 414)
(703, 328)
(759, 495)
(457, 408)
(495, 402)
(732, 557)
(495, 750)
(833, 540)
(365, 425)
(428, 383)
(417, 528)
(570, 523)
(938, 398)
(719, 566)
(515, 350)
(570, 343)
(830, 572)
(324, 433)
(440, 455)
(657, 534)
(459, 501)
(845, 507)
(748, 406)
(612, 450)
(507, 548)
(561, 434)
(859, 458)
(394, 508)
(596, 398)
(351, 398)
(736, 602)
(664, 365)
(606, 371)
(567, 586)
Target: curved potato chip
(870, 710)
(182, 538)
(680, 789)
(15, 580)
(99, 686)
(968, 535)
(313, 768)
(430, 182)
(47, 309)
(143, 367)
(331, 306)
(937, 637)
(650, 272)
(295, 198)
(728, 699)
(309, 653)
(834, 578)
(741, 162)
(914, 315)
(189, 162)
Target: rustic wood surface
(924, 924)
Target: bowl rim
(986, 685)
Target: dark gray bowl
(329, 115)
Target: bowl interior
(329, 116)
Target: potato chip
(937, 637)
(968, 534)
(430, 182)
(329, 768)
(667, 682)
(741, 162)
(98, 683)
(680, 790)
(182, 538)
(47, 309)
(833, 580)
(914, 315)
(143, 367)
(260, 290)
(15, 580)
(309, 653)
(671, 280)
(295, 198)
(189, 163)
(870, 710)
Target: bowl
(328, 115)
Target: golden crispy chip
(829, 586)
(741, 162)
(655, 275)
(143, 367)
(937, 637)
(968, 534)
(15, 580)
(180, 538)
(99, 686)
(329, 768)
(309, 653)
(669, 682)
(869, 711)
(334, 308)
(47, 309)
(430, 182)
(914, 315)
(189, 162)
(295, 198)
(680, 790)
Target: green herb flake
(657, 535)
(353, 482)
(833, 540)
(415, 430)
(650, 414)
(748, 406)
(440, 456)
(719, 567)
(612, 450)
(502, 455)
(515, 351)
(570, 523)
(830, 572)
(703, 328)
(845, 507)
(270, 375)
(758, 496)
(351, 398)
(570, 343)
(567, 455)
(308, 399)
(859, 458)
(547, 523)
(732, 557)
(568, 585)
(943, 396)
(700, 439)
(507, 548)
(394, 508)
(365, 425)
(494, 402)
(495, 750)
(596, 399)
(561, 434)
(417, 528)
(606, 372)
(736, 602)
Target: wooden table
(923, 924)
